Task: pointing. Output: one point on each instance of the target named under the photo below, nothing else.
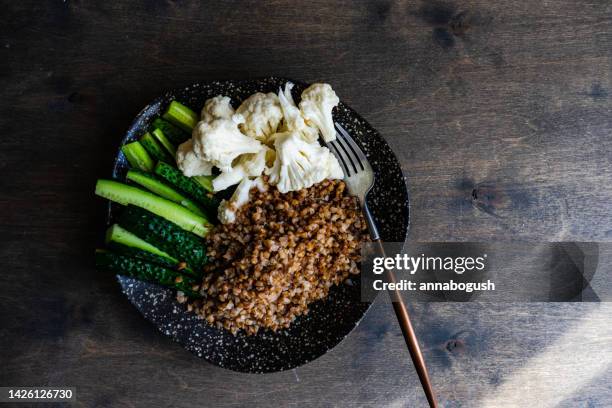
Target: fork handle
(371, 224)
(401, 312)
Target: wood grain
(500, 113)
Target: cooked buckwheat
(283, 252)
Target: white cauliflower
(262, 114)
(219, 107)
(190, 163)
(237, 143)
(220, 142)
(247, 165)
(228, 208)
(318, 101)
(292, 117)
(300, 164)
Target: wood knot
(454, 346)
(488, 198)
(459, 24)
(448, 22)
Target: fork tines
(351, 157)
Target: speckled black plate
(329, 320)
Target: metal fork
(359, 178)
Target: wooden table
(507, 100)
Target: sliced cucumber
(124, 242)
(163, 140)
(173, 133)
(125, 194)
(140, 269)
(156, 151)
(151, 183)
(174, 176)
(181, 116)
(140, 254)
(204, 181)
(122, 236)
(164, 235)
(137, 156)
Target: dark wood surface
(499, 111)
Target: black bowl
(330, 320)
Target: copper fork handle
(401, 311)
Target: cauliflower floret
(262, 114)
(297, 160)
(228, 208)
(334, 170)
(300, 164)
(220, 142)
(318, 101)
(293, 120)
(218, 107)
(247, 165)
(190, 163)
